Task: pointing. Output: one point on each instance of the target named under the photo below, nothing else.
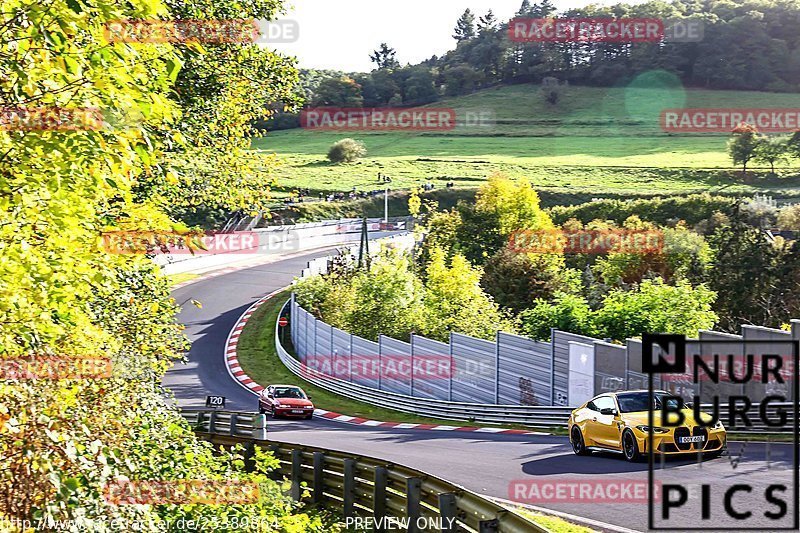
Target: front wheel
(630, 447)
(578, 446)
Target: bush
(693, 209)
(346, 151)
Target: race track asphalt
(485, 463)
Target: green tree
(66, 295)
(655, 307)
(455, 301)
(566, 312)
(341, 92)
(384, 57)
(465, 27)
(772, 150)
(744, 145)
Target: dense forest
(745, 45)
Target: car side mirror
(608, 411)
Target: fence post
(297, 474)
(349, 486)
(452, 370)
(212, 422)
(234, 420)
(448, 510)
(552, 366)
(379, 497)
(260, 427)
(413, 502)
(292, 326)
(314, 348)
(319, 477)
(411, 342)
(497, 368)
(380, 362)
(350, 363)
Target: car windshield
(288, 392)
(640, 401)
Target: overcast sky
(340, 34)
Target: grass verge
(553, 523)
(257, 357)
(174, 279)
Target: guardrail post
(297, 474)
(349, 487)
(234, 420)
(448, 510)
(249, 457)
(212, 422)
(199, 423)
(489, 526)
(319, 477)
(413, 502)
(260, 427)
(379, 497)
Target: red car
(285, 400)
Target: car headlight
(646, 429)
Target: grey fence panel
(474, 369)
(706, 389)
(561, 340)
(637, 379)
(365, 363)
(610, 367)
(340, 341)
(756, 389)
(309, 343)
(396, 365)
(434, 387)
(525, 370)
(322, 347)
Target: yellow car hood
(640, 418)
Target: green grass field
(601, 139)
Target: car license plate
(298, 411)
(687, 440)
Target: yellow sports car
(618, 421)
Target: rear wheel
(578, 446)
(629, 447)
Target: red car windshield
(289, 393)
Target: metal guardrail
(357, 485)
(532, 416)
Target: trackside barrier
(356, 485)
(492, 414)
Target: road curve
(485, 463)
